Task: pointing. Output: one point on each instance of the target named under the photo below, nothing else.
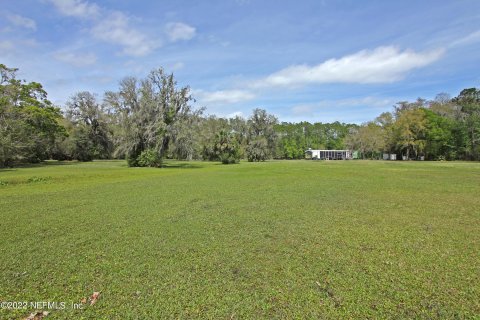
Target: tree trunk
(164, 147)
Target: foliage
(81, 146)
(185, 143)
(226, 148)
(155, 114)
(36, 179)
(257, 150)
(369, 139)
(469, 102)
(439, 137)
(262, 138)
(148, 112)
(29, 123)
(295, 138)
(149, 158)
(90, 121)
(442, 129)
(409, 131)
(209, 128)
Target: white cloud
(179, 31)
(76, 8)
(368, 101)
(29, 42)
(305, 110)
(116, 29)
(77, 60)
(369, 104)
(373, 102)
(354, 110)
(177, 66)
(236, 114)
(223, 96)
(16, 48)
(6, 46)
(23, 22)
(468, 39)
(112, 27)
(381, 65)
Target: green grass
(280, 239)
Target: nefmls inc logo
(48, 305)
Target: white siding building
(328, 154)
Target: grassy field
(280, 239)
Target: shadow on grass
(60, 163)
(225, 164)
(180, 165)
(47, 163)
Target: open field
(280, 239)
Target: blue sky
(344, 60)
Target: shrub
(149, 158)
(226, 148)
(257, 150)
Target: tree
(185, 144)
(226, 147)
(147, 112)
(438, 136)
(262, 138)
(29, 123)
(208, 131)
(368, 139)
(257, 150)
(91, 122)
(409, 131)
(469, 102)
(443, 106)
(80, 144)
(386, 121)
(293, 139)
(239, 128)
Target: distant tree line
(150, 119)
(443, 129)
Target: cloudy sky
(329, 60)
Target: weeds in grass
(36, 179)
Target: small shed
(389, 156)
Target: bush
(132, 161)
(149, 158)
(257, 150)
(226, 148)
(229, 158)
(79, 145)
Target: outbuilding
(328, 154)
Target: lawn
(280, 239)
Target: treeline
(144, 121)
(150, 119)
(443, 129)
